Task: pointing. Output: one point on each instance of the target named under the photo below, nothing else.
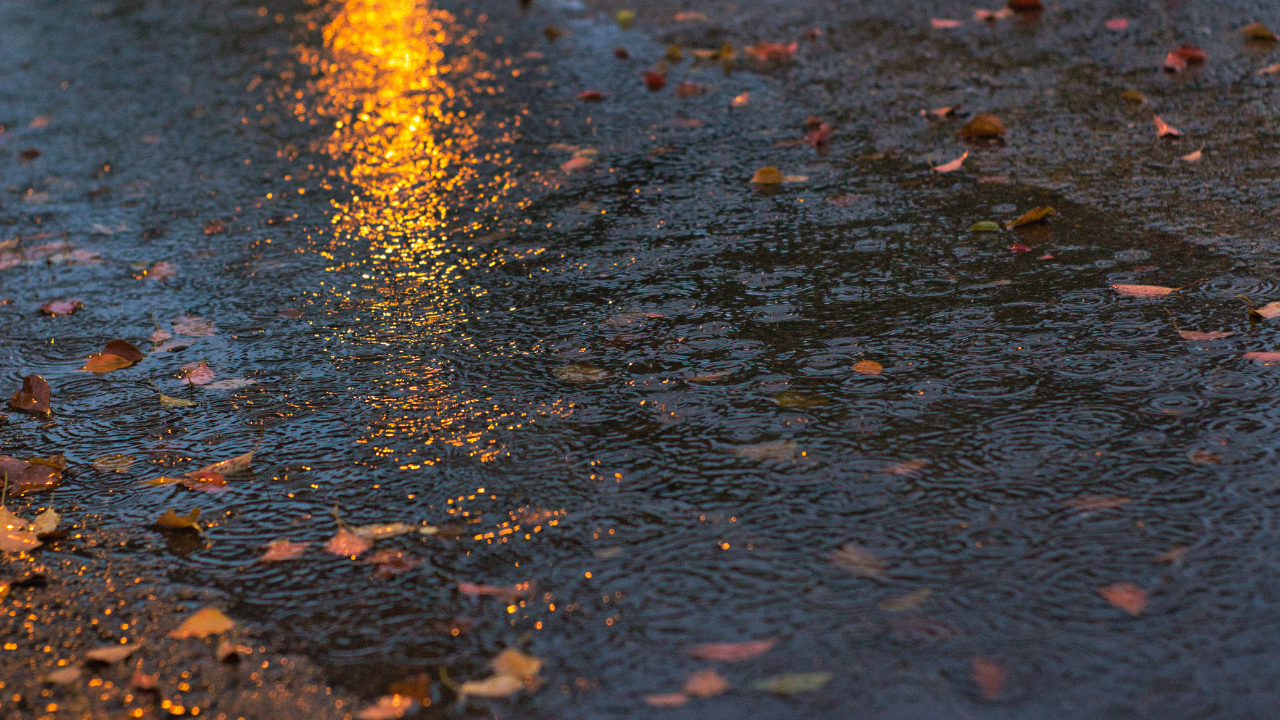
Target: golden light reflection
(398, 81)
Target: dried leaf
(767, 176)
(945, 23)
(909, 467)
(197, 373)
(705, 684)
(25, 477)
(1164, 129)
(1133, 96)
(953, 165)
(1263, 357)
(1269, 310)
(283, 549)
(981, 127)
(910, 601)
(1270, 69)
(347, 543)
(1144, 290)
(113, 463)
(388, 707)
(731, 652)
(858, 560)
(496, 686)
(1174, 63)
(1258, 31)
(868, 367)
(690, 89)
(1033, 215)
(1193, 157)
(1172, 555)
(111, 653)
(228, 651)
(796, 399)
(171, 401)
(1126, 596)
(673, 54)
(1212, 335)
(666, 701)
(655, 81)
(516, 664)
(161, 271)
(381, 531)
(392, 562)
(193, 326)
(580, 373)
(61, 307)
(1192, 54)
(625, 19)
(105, 363)
(174, 521)
(416, 686)
(793, 683)
(16, 541)
(33, 397)
(990, 678)
(591, 96)
(985, 226)
(780, 450)
(11, 521)
(205, 622)
(63, 676)
(46, 523)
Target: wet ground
(947, 473)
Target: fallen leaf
(953, 165)
(731, 652)
(690, 17)
(591, 96)
(868, 367)
(1144, 290)
(63, 676)
(1257, 31)
(580, 373)
(709, 377)
(11, 521)
(1192, 157)
(945, 23)
(780, 450)
(1174, 63)
(392, 562)
(910, 601)
(1172, 555)
(161, 271)
(982, 127)
(992, 15)
(910, 467)
(1269, 310)
(388, 707)
(621, 53)
(1126, 596)
(858, 560)
(990, 678)
(625, 18)
(772, 52)
(230, 384)
(795, 399)
(576, 163)
(1133, 96)
(193, 326)
(61, 307)
(416, 686)
(516, 664)
(985, 226)
(347, 543)
(673, 54)
(1262, 357)
(1204, 457)
(690, 89)
(197, 373)
(1192, 54)
(116, 355)
(666, 701)
(767, 176)
(174, 521)
(144, 682)
(740, 100)
(1037, 214)
(228, 651)
(111, 653)
(205, 622)
(552, 33)
(1019, 248)
(25, 477)
(1164, 129)
(493, 687)
(16, 541)
(1213, 335)
(793, 683)
(33, 397)
(283, 549)
(46, 523)
(705, 684)
(1117, 24)
(1270, 69)
(654, 80)
(113, 463)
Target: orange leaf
(705, 684)
(945, 23)
(1117, 24)
(989, 677)
(1126, 596)
(666, 700)
(1270, 69)
(1174, 63)
(576, 163)
(767, 176)
(1192, 54)
(1258, 31)
(953, 165)
(868, 367)
(981, 127)
(347, 543)
(1192, 157)
(1143, 290)
(1031, 216)
(741, 100)
(33, 397)
(730, 652)
(1164, 129)
(591, 96)
(283, 550)
(1263, 357)
(206, 622)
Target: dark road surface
(640, 403)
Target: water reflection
(397, 79)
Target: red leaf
(33, 397)
(1117, 24)
(1263, 357)
(1191, 54)
(1174, 63)
(591, 96)
(621, 53)
(1126, 596)
(1020, 248)
(654, 81)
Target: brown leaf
(731, 652)
(416, 686)
(1258, 31)
(63, 676)
(33, 397)
(989, 677)
(858, 560)
(705, 684)
(767, 176)
(1269, 310)
(16, 541)
(1212, 335)
(981, 127)
(1144, 290)
(347, 543)
(868, 367)
(197, 373)
(389, 707)
(25, 477)
(283, 549)
(1191, 53)
(1126, 596)
(105, 363)
(1033, 215)
(193, 326)
(111, 653)
(909, 467)
(174, 521)
(205, 622)
(61, 307)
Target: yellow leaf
(516, 663)
(1032, 215)
(205, 622)
(175, 521)
(171, 401)
(493, 687)
(768, 176)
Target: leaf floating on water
(61, 307)
(34, 476)
(772, 52)
(1116, 24)
(117, 355)
(666, 701)
(1134, 96)
(388, 707)
(113, 463)
(16, 541)
(985, 226)
(111, 653)
(1270, 70)
(161, 271)
(953, 165)
(382, 531)
(705, 684)
(625, 19)
(580, 373)
(516, 664)
(1269, 310)
(591, 96)
(945, 23)
(740, 100)
(171, 401)
(515, 671)
(709, 377)
(982, 127)
(858, 560)
(781, 450)
(1192, 54)
(32, 397)
(1164, 129)
(1258, 31)
(1032, 216)
(1172, 555)
(197, 373)
(1193, 157)
(1174, 63)
(1096, 502)
(1144, 290)
(392, 562)
(868, 367)
(1265, 358)
(910, 601)
(509, 593)
(63, 676)
(205, 622)
(793, 683)
(174, 521)
(1126, 596)
(10, 520)
(578, 162)
(193, 326)
(990, 677)
(46, 523)
(731, 652)
(495, 686)
(347, 543)
(284, 549)
(768, 176)
(1212, 335)
(910, 467)
(795, 399)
